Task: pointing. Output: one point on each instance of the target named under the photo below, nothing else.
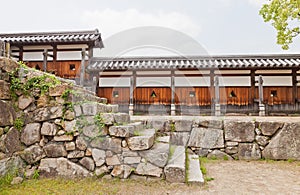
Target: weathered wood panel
(115, 95)
(192, 96)
(278, 95)
(239, 96)
(66, 69)
(152, 95)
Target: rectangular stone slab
(195, 175)
(175, 169)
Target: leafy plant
(36, 174)
(172, 127)
(19, 123)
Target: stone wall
(50, 126)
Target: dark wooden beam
(21, 53)
(252, 83)
(295, 87)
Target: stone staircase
(176, 164)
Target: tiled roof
(195, 62)
(73, 37)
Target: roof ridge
(96, 31)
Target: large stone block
(121, 171)
(121, 131)
(206, 138)
(24, 102)
(32, 154)
(285, 144)
(269, 128)
(58, 90)
(194, 171)
(147, 169)
(179, 138)
(113, 160)
(175, 169)
(55, 150)
(215, 124)
(31, 134)
(183, 125)
(61, 167)
(108, 118)
(88, 163)
(143, 141)
(105, 143)
(47, 113)
(239, 131)
(158, 155)
(7, 114)
(122, 118)
(11, 141)
(49, 129)
(89, 109)
(99, 157)
(8, 165)
(249, 151)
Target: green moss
(19, 123)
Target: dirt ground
(236, 177)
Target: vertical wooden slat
(45, 56)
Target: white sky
(220, 26)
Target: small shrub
(172, 127)
(36, 174)
(207, 179)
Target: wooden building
(188, 85)
(61, 53)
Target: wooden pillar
(217, 97)
(2, 48)
(252, 88)
(132, 87)
(7, 50)
(21, 56)
(82, 67)
(212, 90)
(173, 108)
(55, 59)
(45, 56)
(295, 88)
(262, 110)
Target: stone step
(175, 169)
(142, 140)
(194, 174)
(128, 130)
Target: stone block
(31, 134)
(195, 175)
(262, 140)
(7, 114)
(147, 169)
(249, 151)
(55, 150)
(121, 131)
(157, 155)
(122, 118)
(143, 141)
(219, 155)
(206, 138)
(214, 124)
(4, 90)
(24, 102)
(270, 128)
(183, 125)
(70, 146)
(132, 160)
(114, 160)
(239, 131)
(105, 143)
(32, 154)
(175, 169)
(63, 138)
(62, 167)
(108, 118)
(88, 163)
(179, 138)
(89, 109)
(49, 129)
(10, 142)
(98, 156)
(285, 144)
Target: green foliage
(99, 121)
(171, 151)
(225, 157)
(207, 179)
(36, 174)
(285, 16)
(19, 123)
(8, 177)
(67, 93)
(172, 127)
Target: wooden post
(2, 48)
(91, 52)
(82, 67)
(262, 110)
(295, 88)
(173, 108)
(7, 50)
(21, 53)
(45, 55)
(212, 90)
(132, 87)
(252, 88)
(217, 97)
